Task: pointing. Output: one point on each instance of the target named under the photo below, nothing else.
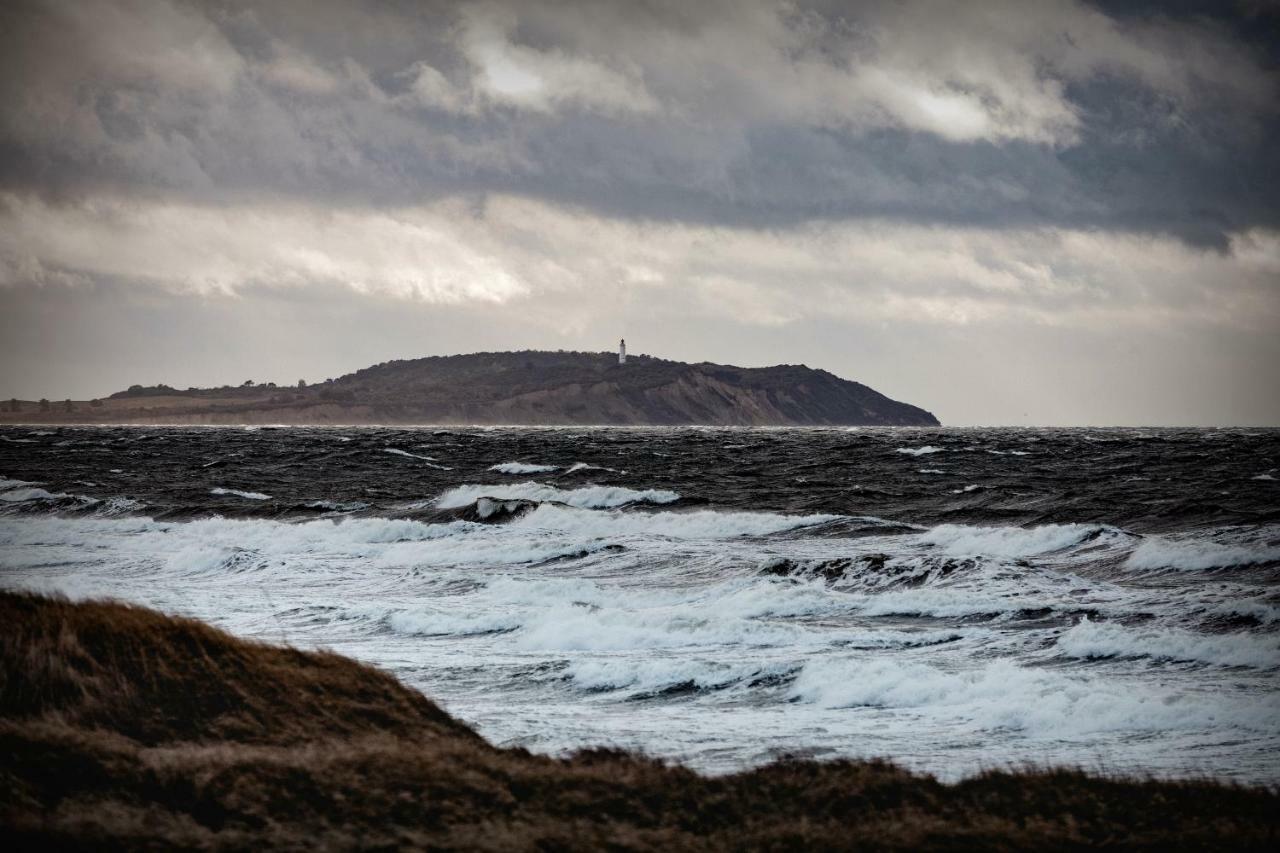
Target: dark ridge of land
(533, 388)
(124, 728)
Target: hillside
(121, 728)
(513, 388)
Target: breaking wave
(522, 468)
(249, 496)
(1156, 552)
(966, 540)
(1105, 640)
(587, 497)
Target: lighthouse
(622, 351)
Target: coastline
(125, 727)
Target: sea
(954, 600)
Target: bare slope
(121, 728)
(519, 388)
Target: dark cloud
(317, 102)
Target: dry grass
(121, 727)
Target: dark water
(1146, 480)
(950, 598)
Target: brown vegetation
(121, 727)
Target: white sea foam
(522, 468)
(589, 497)
(965, 540)
(249, 496)
(117, 506)
(932, 471)
(6, 483)
(586, 466)
(430, 622)
(337, 506)
(699, 524)
(1106, 639)
(430, 461)
(1156, 552)
(1001, 695)
(970, 488)
(24, 495)
(1262, 477)
(920, 451)
(948, 602)
(659, 673)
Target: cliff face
(529, 388)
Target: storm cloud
(953, 175)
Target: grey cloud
(1161, 123)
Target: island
(508, 388)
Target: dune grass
(124, 728)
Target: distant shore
(125, 727)
(506, 388)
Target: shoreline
(122, 726)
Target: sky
(1021, 213)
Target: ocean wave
(249, 496)
(696, 524)
(919, 451)
(337, 506)
(1001, 695)
(587, 466)
(586, 497)
(522, 468)
(950, 602)
(579, 614)
(6, 483)
(117, 506)
(1156, 552)
(1090, 639)
(1012, 542)
(666, 673)
(32, 494)
(429, 461)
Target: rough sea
(951, 599)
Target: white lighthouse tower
(622, 351)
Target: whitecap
(587, 497)
(1157, 552)
(6, 483)
(586, 466)
(966, 540)
(429, 460)
(23, 495)
(1002, 695)
(249, 496)
(1089, 639)
(522, 468)
(699, 524)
